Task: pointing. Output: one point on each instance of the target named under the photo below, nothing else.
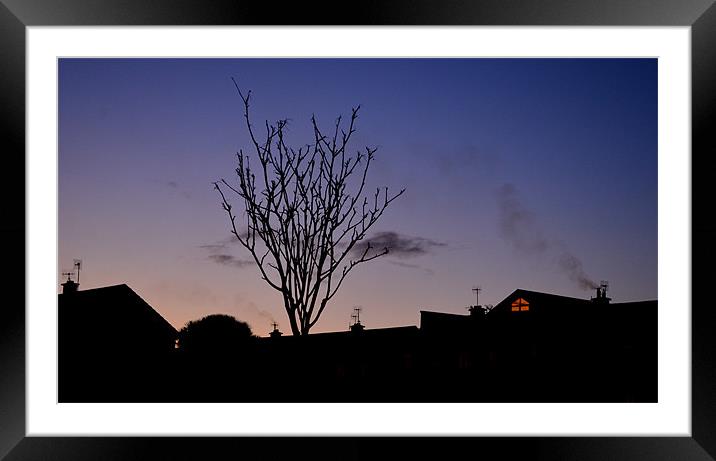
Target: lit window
(520, 304)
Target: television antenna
(477, 291)
(77, 263)
(355, 317)
(68, 275)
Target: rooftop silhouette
(531, 347)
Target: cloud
(230, 240)
(230, 260)
(518, 226)
(218, 253)
(412, 266)
(176, 188)
(214, 247)
(398, 245)
(224, 244)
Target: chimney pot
(601, 297)
(70, 286)
(275, 333)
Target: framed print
(201, 203)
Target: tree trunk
(291, 311)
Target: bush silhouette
(215, 335)
(216, 356)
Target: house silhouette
(531, 347)
(535, 346)
(113, 346)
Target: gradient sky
(511, 166)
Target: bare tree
(305, 213)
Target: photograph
(406, 229)
(357, 229)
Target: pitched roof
(114, 307)
(557, 302)
(540, 298)
(547, 297)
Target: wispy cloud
(214, 247)
(230, 260)
(176, 188)
(219, 253)
(398, 245)
(412, 266)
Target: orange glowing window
(520, 304)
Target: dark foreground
(532, 347)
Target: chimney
(601, 297)
(70, 286)
(356, 327)
(275, 333)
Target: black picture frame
(16, 15)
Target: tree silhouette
(306, 213)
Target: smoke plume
(519, 227)
(260, 312)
